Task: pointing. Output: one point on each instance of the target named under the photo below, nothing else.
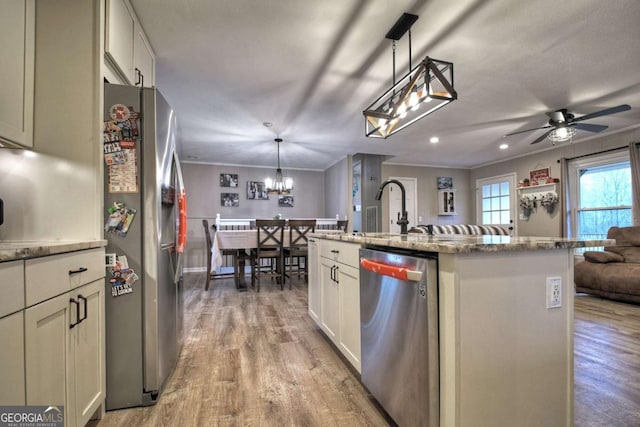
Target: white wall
(202, 182)
(337, 186)
(540, 222)
(428, 193)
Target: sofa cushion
(625, 236)
(621, 278)
(602, 257)
(627, 242)
(629, 253)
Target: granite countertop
(456, 243)
(15, 250)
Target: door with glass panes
(496, 201)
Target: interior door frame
(414, 184)
(513, 197)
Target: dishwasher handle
(391, 270)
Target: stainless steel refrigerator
(143, 323)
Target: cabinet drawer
(49, 276)
(11, 287)
(345, 253)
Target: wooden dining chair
(342, 225)
(270, 246)
(297, 249)
(207, 252)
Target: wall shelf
(537, 191)
(540, 186)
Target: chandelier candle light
(424, 89)
(280, 185)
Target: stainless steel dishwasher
(399, 333)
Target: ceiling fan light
(561, 134)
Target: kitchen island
(504, 357)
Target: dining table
(240, 240)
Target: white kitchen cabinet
(349, 297)
(119, 39)
(143, 60)
(11, 287)
(48, 354)
(89, 352)
(64, 351)
(127, 49)
(314, 288)
(12, 333)
(12, 385)
(17, 55)
(330, 304)
(340, 296)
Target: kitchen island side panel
(505, 358)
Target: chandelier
(424, 89)
(281, 184)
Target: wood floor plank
(257, 359)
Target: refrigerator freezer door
(123, 315)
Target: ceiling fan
(562, 122)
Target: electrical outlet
(554, 292)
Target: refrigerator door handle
(182, 216)
(391, 270)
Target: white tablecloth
(238, 239)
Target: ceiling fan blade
(559, 116)
(528, 130)
(606, 112)
(543, 136)
(589, 127)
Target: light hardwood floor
(607, 363)
(254, 359)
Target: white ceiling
(312, 67)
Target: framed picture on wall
(229, 180)
(539, 176)
(257, 190)
(230, 199)
(445, 182)
(285, 201)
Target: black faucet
(402, 220)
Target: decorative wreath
(526, 202)
(549, 199)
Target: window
(601, 191)
(495, 200)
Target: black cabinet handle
(337, 272)
(73, 301)
(335, 251)
(80, 297)
(80, 270)
(139, 78)
(334, 274)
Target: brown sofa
(614, 273)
